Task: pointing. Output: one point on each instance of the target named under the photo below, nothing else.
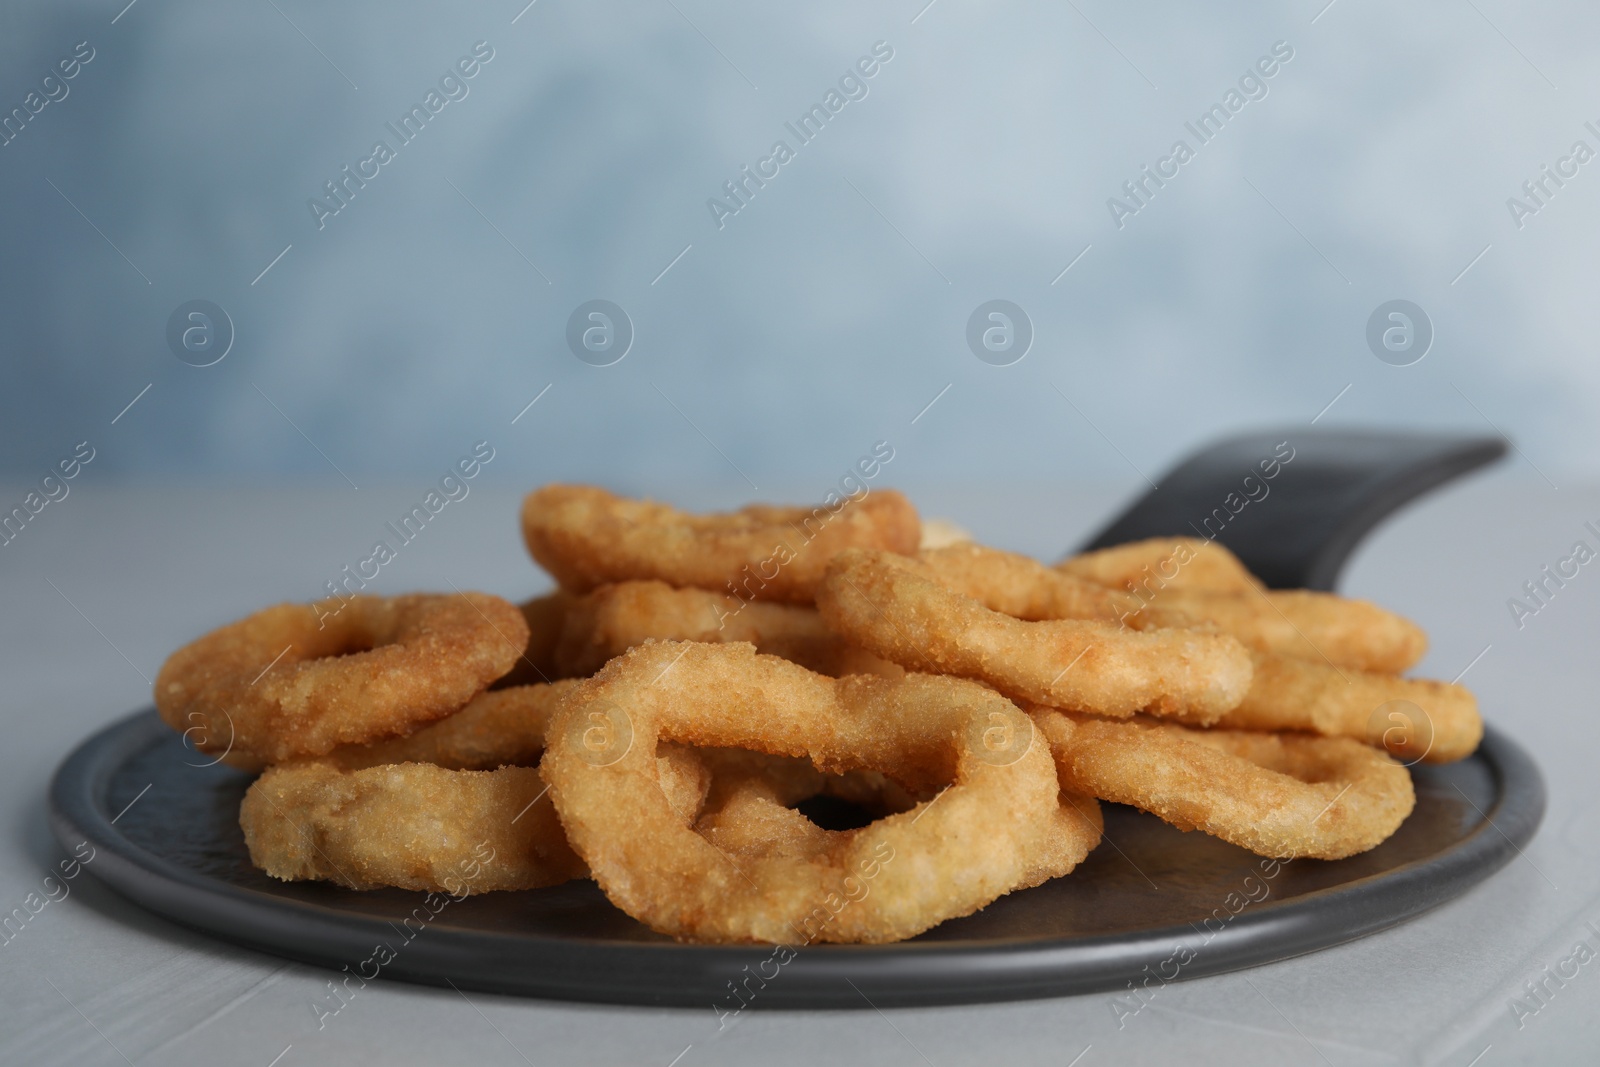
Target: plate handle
(1293, 503)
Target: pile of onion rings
(798, 725)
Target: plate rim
(670, 973)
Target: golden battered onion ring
(890, 606)
(1019, 586)
(1001, 826)
(545, 616)
(1190, 564)
(280, 684)
(499, 728)
(1289, 694)
(418, 826)
(1302, 623)
(411, 825)
(1279, 795)
(585, 537)
(614, 618)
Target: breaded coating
(892, 607)
(1280, 795)
(614, 618)
(1302, 623)
(418, 826)
(295, 680)
(1190, 564)
(1290, 694)
(545, 616)
(1001, 824)
(500, 727)
(411, 825)
(585, 536)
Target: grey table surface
(103, 584)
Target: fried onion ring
(1002, 825)
(1289, 694)
(1191, 564)
(585, 536)
(410, 825)
(614, 618)
(1279, 795)
(295, 680)
(499, 728)
(418, 826)
(545, 615)
(1302, 623)
(893, 608)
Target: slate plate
(1146, 891)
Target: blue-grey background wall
(777, 344)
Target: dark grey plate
(1147, 890)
